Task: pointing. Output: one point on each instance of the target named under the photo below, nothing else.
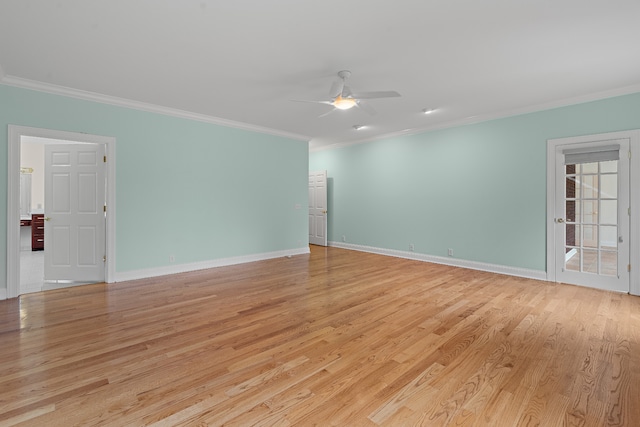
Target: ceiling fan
(342, 98)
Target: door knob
(46, 218)
(324, 212)
(560, 220)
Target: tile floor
(32, 274)
(31, 271)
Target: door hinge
(629, 211)
(104, 159)
(104, 208)
(104, 258)
(629, 153)
(628, 267)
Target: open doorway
(16, 241)
(62, 239)
(31, 215)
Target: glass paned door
(592, 221)
(591, 207)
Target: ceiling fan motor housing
(344, 74)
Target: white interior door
(318, 208)
(74, 212)
(592, 214)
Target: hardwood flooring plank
(397, 402)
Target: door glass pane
(589, 186)
(589, 168)
(609, 263)
(609, 186)
(590, 261)
(573, 231)
(572, 260)
(571, 187)
(591, 218)
(570, 210)
(608, 237)
(608, 212)
(589, 236)
(589, 212)
(608, 167)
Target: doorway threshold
(61, 284)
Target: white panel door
(318, 208)
(592, 215)
(74, 232)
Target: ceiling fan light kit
(343, 103)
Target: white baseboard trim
(3, 293)
(203, 265)
(454, 262)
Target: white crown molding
(127, 103)
(627, 90)
(203, 265)
(454, 262)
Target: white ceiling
(245, 60)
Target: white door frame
(634, 200)
(13, 197)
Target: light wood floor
(335, 338)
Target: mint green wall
(195, 190)
(479, 189)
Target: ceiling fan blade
(336, 88)
(366, 108)
(327, 113)
(312, 102)
(378, 94)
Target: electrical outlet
(172, 258)
(412, 247)
(344, 238)
(450, 252)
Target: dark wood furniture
(37, 232)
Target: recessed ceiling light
(359, 127)
(428, 110)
